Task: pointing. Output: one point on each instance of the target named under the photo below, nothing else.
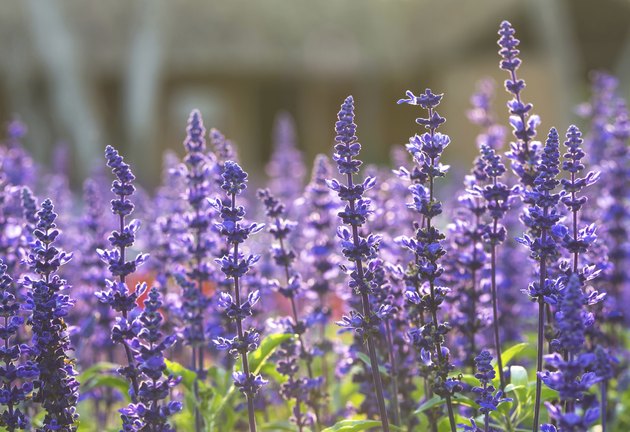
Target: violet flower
(498, 197)
(292, 286)
(286, 168)
(600, 111)
(117, 294)
(199, 242)
(358, 249)
(151, 412)
(569, 378)
(295, 387)
(615, 204)
(12, 236)
(56, 389)
(15, 162)
(17, 370)
(426, 245)
(575, 241)
(524, 150)
(235, 264)
(466, 262)
(488, 398)
(541, 217)
(224, 151)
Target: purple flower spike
(357, 248)
(56, 389)
(523, 151)
(18, 370)
(234, 264)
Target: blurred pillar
(72, 105)
(314, 109)
(552, 21)
(22, 96)
(142, 88)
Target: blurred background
(85, 74)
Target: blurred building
(127, 73)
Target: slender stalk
(575, 226)
(128, 353)
(495, 307)
(539, 354)
(7, 384)
(603, 403)
(376, 375)
(367, 312)
(308, 360)
(197, 350)
(449, 404)
(394, 376)
(473, 300)
(239, 329)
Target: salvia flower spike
(18, 369)
(426, 245)
(281, 228)
(359, 250)
(524, 150)
(117, 293)
(235, 264)
(56, 388)
(541, 217)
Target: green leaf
(509, 354)
(460, 399)
(110, 381)
(100, 375)
(365, 359)
(428, 404)
(518, 376)
(278, 426)
(257, 360)
(353, 426)
(95, 370)
(268, 345)
(470, 379)
(269, 371)
(177, 369)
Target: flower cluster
(541, 217)
(151, 412)
(427, 248)
(235, 264)
(17, 370)
(579, 240)
(488, 398)
(295, 388)
(422, 289)
(286, 168)
(524, 150)
(466, 263)
(569, 378)
(56, 389)
(117, 294)
(198, 240)
(358, 249)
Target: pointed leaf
(353, 426)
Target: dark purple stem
(128, 353)
(495, 307)
(239, 329)
(365, 301)
(541, 337)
